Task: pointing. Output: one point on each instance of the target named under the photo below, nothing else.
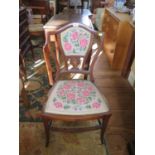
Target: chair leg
(25, 98)
(32, 52)
(105, 121)
(47, 131)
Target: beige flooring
(121, 97)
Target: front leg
(47, 131)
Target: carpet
(37, 87)
(32, 142)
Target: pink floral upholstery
(75, 97)
(75, 41)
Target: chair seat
(75, 97)
(37, 19)
(38, 16)
(35, 27)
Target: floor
(121, 97)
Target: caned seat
(73, 100)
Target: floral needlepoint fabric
(75, 97)
(75, 41)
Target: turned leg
(105, 121)
(47, 131)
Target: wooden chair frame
(102, 118)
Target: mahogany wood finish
(55, 23)
(129, 59)
(49, 117)
(98, 4)
(39, 3)
(42, 8)
(119, 35)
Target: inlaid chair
(39, 13)
(75, 100)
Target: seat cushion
(36, 19)
(75, 97)
(35, 27)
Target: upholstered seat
(75, 97)
(38, 18)
(36, 27)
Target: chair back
(78, 46)
(44, 6)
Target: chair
(39, 13)
(25, 43)
(75, 100)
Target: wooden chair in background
(75, 100)
(39, 12)
(25, 43)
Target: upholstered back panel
(75, 41)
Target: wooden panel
(125, 33)
(118, 33)
(110, 26)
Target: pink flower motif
(90, 88)
(96, 105)
(85, 93)
(58, 104)
(66, 86)
(83, 42)
(80, 84)
(74, 36)
(81, 100)
(70, 96)
(61, 92)
(67, 46)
